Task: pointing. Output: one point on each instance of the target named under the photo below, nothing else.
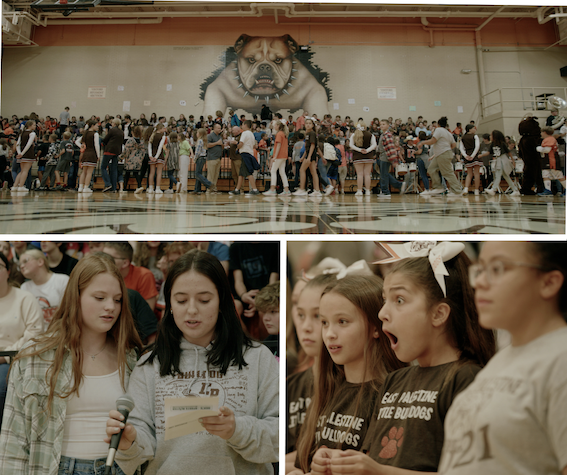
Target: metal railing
(519, 98)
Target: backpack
(329, 152)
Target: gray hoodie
(252, 393)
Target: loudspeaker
(563, 71)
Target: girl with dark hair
(201, 350)
(429, 317)
(25, 154)
(353, 364)
(503, 166)
(62, 385)
(511, 419)
(309, 160)
(89, 144)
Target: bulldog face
(265, 63)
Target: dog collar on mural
(266, 96)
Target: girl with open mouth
(354, 361)
(429, 318)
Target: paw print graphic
(391, 442)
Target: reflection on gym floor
(97, 213)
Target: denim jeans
(322, 172)
(386, 179)
(199, 175)
(113, 178)
(71, 466)
(171, 176)
(423, 173)
(296, 180)
(3, 387)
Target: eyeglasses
(496, 269)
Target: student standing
(62, 387)
(201, 350)
(90, 143)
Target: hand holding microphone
(120, 435)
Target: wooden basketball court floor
(97, 213)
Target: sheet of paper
(182, 414)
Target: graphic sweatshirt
(252, 393)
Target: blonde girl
(156, 153)
(89, 143)
(185, 156)
(280, 160)
(200, 160)
(62, 386)
(363, 145)
(300, 385)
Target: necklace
(95, 355)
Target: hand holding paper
(182, 415)
(222, 425)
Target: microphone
(124, 405)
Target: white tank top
(85, 423)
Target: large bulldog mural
(266, 70)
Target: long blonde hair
(202, 134)
(64, 332)
(283, 127)
(358, 137)
(157, 129)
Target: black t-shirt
(66, 265)
(406, 430)
(299, 393)
(43, 147)
(273, 344)
(311, 138)
(144, 317)
(499, 150)
(345, 423)
(256, 260)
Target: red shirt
(142, 280)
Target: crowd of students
(434, 365)
(297, 155)
(81, 320)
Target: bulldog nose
(265, 68)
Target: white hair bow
(330, 265)
(359, 127)
(438, 253)
(310, 118)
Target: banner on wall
(266, 70)
(96, 92)
(387, 93)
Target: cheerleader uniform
(92, 150)
(28, 153)
(368, 142)
(470, 145)
(155, 149)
